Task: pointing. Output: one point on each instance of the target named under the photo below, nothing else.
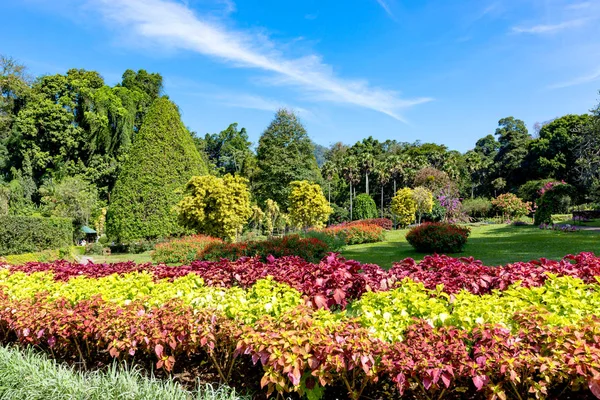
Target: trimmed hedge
(20, 234)
(43, 256)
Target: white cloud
(385, 5)
(177, 27)
(255, 102)
(577, 81)
(550, 28)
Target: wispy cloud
(255, 102)
(579, 6)
(176, 26)
(577, 81)
(550, 28)
(386, 6)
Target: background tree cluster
(73, 146)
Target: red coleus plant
(335, 281)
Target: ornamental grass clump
(438, 237)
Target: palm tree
(351, 174)
(328, 171)
(367, 163)
(382, 170)
(397, 165)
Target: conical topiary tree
(285, 154)
(161, 161)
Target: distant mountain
(320, 154)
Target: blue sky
(439, 71)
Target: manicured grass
(27, 374)
(595, 223)
(493, 244)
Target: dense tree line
(66, 140)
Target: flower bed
(183, 250)
(384, 223)
(310, 249)
(287, 325)
(356, 233)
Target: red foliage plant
(334, 280)
(384, 223)
(438, 237)
(356, 233)
(310, 249)
(183, 250)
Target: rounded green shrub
(364, 207)
(438, 237)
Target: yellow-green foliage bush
(423, 200)
(404, 206)
(308, 207)
(215, 206)
(265, 297)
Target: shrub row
(42, 256)
(334, 272)
(466, 273)
(384, 223)
(19, 234)
(386, 313)
(356, 233)
(331, 283)
(183, 250)
(200, 247)
(308, 351)
(310, 249)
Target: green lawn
(493, 244)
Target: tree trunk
(394, 215)
(367, 182)
(381, 201)
(350, 200)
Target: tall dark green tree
(230, 151)
(514, 142)
(552, 154)
(587, 152)
(285, 154)
(15, 85)
(162, 160)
